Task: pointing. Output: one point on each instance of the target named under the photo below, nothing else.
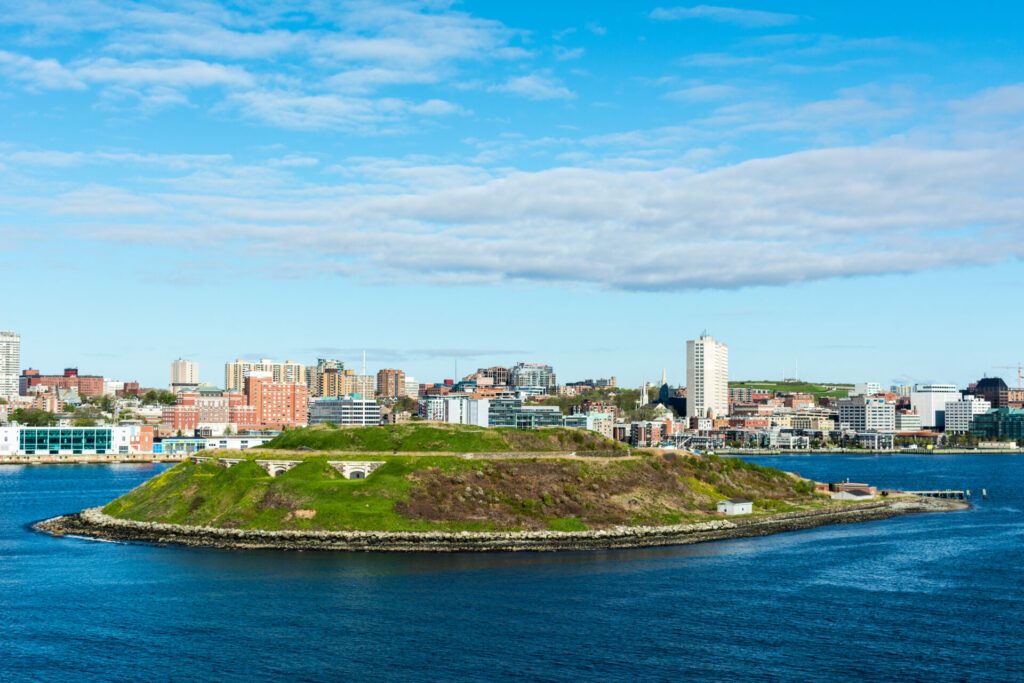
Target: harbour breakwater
(93, 523)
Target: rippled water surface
(937, 596)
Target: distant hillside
(825, 389)
(431, 437)
(412, 493)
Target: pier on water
(958, 494)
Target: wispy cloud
(38, 74)
(535, 87)
(726, 15)
(791, 218)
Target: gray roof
(740, 500)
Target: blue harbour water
(923, 597)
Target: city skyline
(825, 187)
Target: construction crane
(1019, 367)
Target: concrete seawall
(93, 523)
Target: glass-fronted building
(344, 411)
(1001, 424)
(508, 412)
(66, 440)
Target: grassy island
(434, 488)
(414, 492)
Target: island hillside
(423, 492)
(437, 437)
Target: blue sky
(837, 186)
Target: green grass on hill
(823, 389)
(430, 437)
(410, 493)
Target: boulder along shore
(93, 523)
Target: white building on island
(736, 506)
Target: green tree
(406, 404)
(31, 417)
(84, 422)
(159, 397)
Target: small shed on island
(853, 494)
(736, 506)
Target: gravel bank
(93, 523)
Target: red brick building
(86, 385)
(391, 383)
(278, 405)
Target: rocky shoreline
(93, 523)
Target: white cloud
(38, 74)
(535, 87)
(1007, 100)
(303, 111)
(795, 217)
(704, 93)
(437, 107)
(726, 15)
(187, 73)
(564, 54)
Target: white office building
(960, 413)
(707, 378)
(184, 373)
(10, 364)
(537, 376)
(929, 400)
(461, 410)
(288, 372)
(866, 413)
(866, 389)
(908, 422)
(344, 411)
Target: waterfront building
(876, 441)
(812, 421)
(993, 390)
(10, 364)
(908, 421)
(106, 440)
(184, 374)
(929, 400)
(288, 371)
(510, 412)
(344, 411)
(960, 413)
(999, 424)
(189, 445)
(865, 413)
(277, 405)
(538, 377)
(390, 383)
(707, 378)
